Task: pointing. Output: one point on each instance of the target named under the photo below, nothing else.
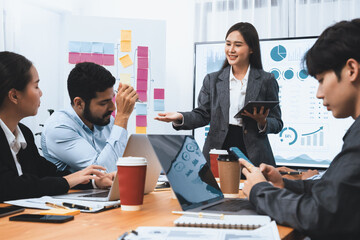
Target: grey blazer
(213, 108)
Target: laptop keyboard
(100, 194)
(232, 205)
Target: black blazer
(213, 108)
(40, 177)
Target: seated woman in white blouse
(23, 172)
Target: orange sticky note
(125, 46)
(126, 61)
(59, 211)
(125, 35)
(141, 130)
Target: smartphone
(239, 154)
(5, 211)
(42, 218)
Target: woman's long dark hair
(251, 38)
(14, 73)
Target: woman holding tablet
(224, 93)
(23, 172)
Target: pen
(200, 214)
(54, 205)
(72, 205)
(123, 237)
(291, 173)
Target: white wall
(179, 17)
(32, 31)
(34, 27)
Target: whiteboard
(311, 136)
(150, 33)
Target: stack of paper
(40, 203)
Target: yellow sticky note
(125, 35)
(59, 211)
(141, 130)
(125, 78)
(125, 46)
(126, 61)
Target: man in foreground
(327, 208)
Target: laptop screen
(187, 170)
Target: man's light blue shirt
(68, 143)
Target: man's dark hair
(251, 37)
(86, 79)
(334, 47)
(14, 73)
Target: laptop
(191, 178)
(138, 145)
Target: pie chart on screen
(278, 53)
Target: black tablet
(249, 107)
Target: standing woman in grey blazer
(224, 93)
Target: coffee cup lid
(227, 158)
(131, 161)
(218, 151)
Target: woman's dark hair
(86, 79)
(334, 47)
(14, 73)
(251, 38)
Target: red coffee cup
(131, 173)
(214, 154)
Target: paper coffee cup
(214, 154)
(229, 172)
(131, 174)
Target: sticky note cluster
(125, 43)
(159, 99)
(142, 87)
(141, 123)
(125, 46)
(96, 52)
(142, 72)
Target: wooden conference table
(109, 224)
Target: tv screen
(311, 136)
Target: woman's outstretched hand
(170, 117)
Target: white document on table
(40, 203)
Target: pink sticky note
(143, 62)
(141, 121)
(159, 93)
(142, 74)
(142, 95)
(74, 58)
(85, 57)
(141, 85)
(97, 58)
(113, 100)
(108, 59)
(142, 51)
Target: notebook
(243, 222)
(191, 178)
(138, 145)
(268, 232)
